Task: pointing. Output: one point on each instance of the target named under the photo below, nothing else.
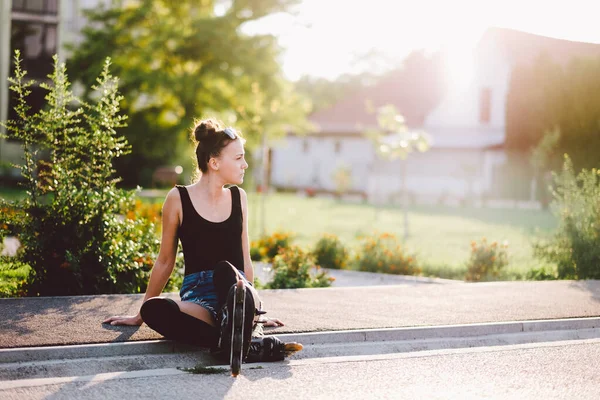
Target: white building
(39, 29)
(466, 120)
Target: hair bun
(205, 129)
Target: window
(485, 106)
(18, 5)
(52, 6)
(47, 7)
(37, 43)
(305, 146)
(338, 146)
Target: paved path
(347, 278)
(77, 320)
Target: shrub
(487, 260)
(267, 247)
(330, 252)
(575, 246)
(294, 268)
(541, 274)
(73, 224)
(382, 253)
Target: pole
(404, 199)
(263, 184)
(5, 56)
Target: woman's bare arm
(165, 262)
(248, 268)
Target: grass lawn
(440, 236)
(9, 279)
(11, 193)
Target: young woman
(212, 223)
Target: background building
(465, 116)
(39, 29)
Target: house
(464, 115)
(39, 29)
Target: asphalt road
(558, 370)
(48, 321)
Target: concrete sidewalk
(51, 321)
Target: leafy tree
(533, 92)
(178, 61)
(415, 71)
(546, 98)
(324, 93)
(393, 140)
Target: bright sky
(342, 29)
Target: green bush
(330, 252)
(73, 225)
(382, 253)
(541, 274)
(575, 246)
(487, 260)
(267, 247)
(294, 268)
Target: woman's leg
(181, 321)
(196, 311)
(225, 276)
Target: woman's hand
(124, 320)
(272, 322)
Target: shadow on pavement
(591, 286)
(187, 385)
(66, 320)
(126, 332)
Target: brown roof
(415, 96)
(523, 48)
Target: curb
(30, 354)
(442, 331)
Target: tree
(533, 93)
(178, 61)
(415, 71)
(324, 93)
(545, 98)
(393, 140)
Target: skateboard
(237, 333)
(246, 348)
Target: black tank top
(205, 243)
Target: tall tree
(414, 73)
(546, 98)
(179, 60)
(324, 93)
(533, 92)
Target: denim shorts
(199, 288)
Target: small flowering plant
(267, 247)
(330, 252)
(294, 268)
(487, 260)
(382, 253)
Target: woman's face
(231, 162)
